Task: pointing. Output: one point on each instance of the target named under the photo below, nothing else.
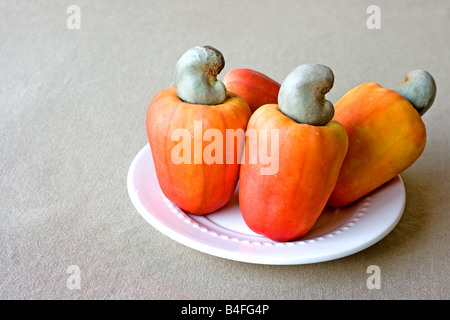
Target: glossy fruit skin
(285, 206)
(197, 188)
(386, 136)
(254, 87)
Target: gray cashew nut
(302, 95)
(419, 88)
(196, 76)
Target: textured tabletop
(75, 86)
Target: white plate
(337, 233)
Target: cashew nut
(302, 95)
(196, 76)
(419, 88)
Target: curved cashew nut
(419, 88)
(196, 76)
(302, 94)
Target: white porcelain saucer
(338, 232)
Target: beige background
(72, 118)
